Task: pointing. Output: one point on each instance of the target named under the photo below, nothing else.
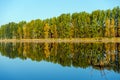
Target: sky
(27, 10)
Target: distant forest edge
(99, 23)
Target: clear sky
(18, 10)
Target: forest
(99, 23)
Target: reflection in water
(98, 55)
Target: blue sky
(18, 10)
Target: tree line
(99, 23)
(82, 55)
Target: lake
(59, 61)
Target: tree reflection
(97, 55)
(46, 50)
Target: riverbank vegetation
(97, 24)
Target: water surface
(60, 61)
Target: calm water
(59, 61)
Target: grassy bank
(75, 40)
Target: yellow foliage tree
(46, 31)
(118, 28)
(107, 28)
(72, 31)
(53, 31)
(24, 32)
(112, 28)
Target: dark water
(60, 61)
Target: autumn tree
(20, 29)
(107, 27)
(46, 30)
(118, 28)
(99, 23)
(24, 32)
(53, 30)
(112, 28)
(72, 29)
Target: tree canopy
(99, 23)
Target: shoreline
(59, 40)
